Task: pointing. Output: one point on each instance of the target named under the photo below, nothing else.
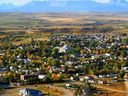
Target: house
(89, 77)
(64, 49)
(125, 69)
(30, 92)
(95, 56)
(102, 82)
(26, 61)
(107, 75)
(68, 85)
(71, 86)
(3, 70)
(102, 76)
(112, 75)
(74, 78)
(93, 81)
(41, 76)
(114, 80)
(82, 79)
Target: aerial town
(80, 62)
(63, 47)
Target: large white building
(64, 49)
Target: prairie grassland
(46, 23)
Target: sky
(23, 2)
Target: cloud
(23, 2)
(15, 2)
(18, 2)
(103, 1)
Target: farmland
(18, 28)
(77, 51)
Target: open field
(116, 86)
(18, 27)
(43, 20)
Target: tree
(121, 74)
(32, 80)
(55, 52)
(49, 60)
(123, 53)
(91, 72)
(65, 57)
(107, 68)
(116, 68)
(55, 62)
(9, 76)
(56, 77)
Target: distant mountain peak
(68, 5)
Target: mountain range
(68, 6)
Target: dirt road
(110, 89)
(14, 91)
(126, 86)
(115, 90)
(66, 91)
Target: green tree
(123, 53)
(121, 74)
(116, 68)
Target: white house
(30, 92)
(41, 76)
(125, 69)
(64, 49)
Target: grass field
(116, 86)
(45, 90)
(60, 23)
(59, 19)
(30, 37)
